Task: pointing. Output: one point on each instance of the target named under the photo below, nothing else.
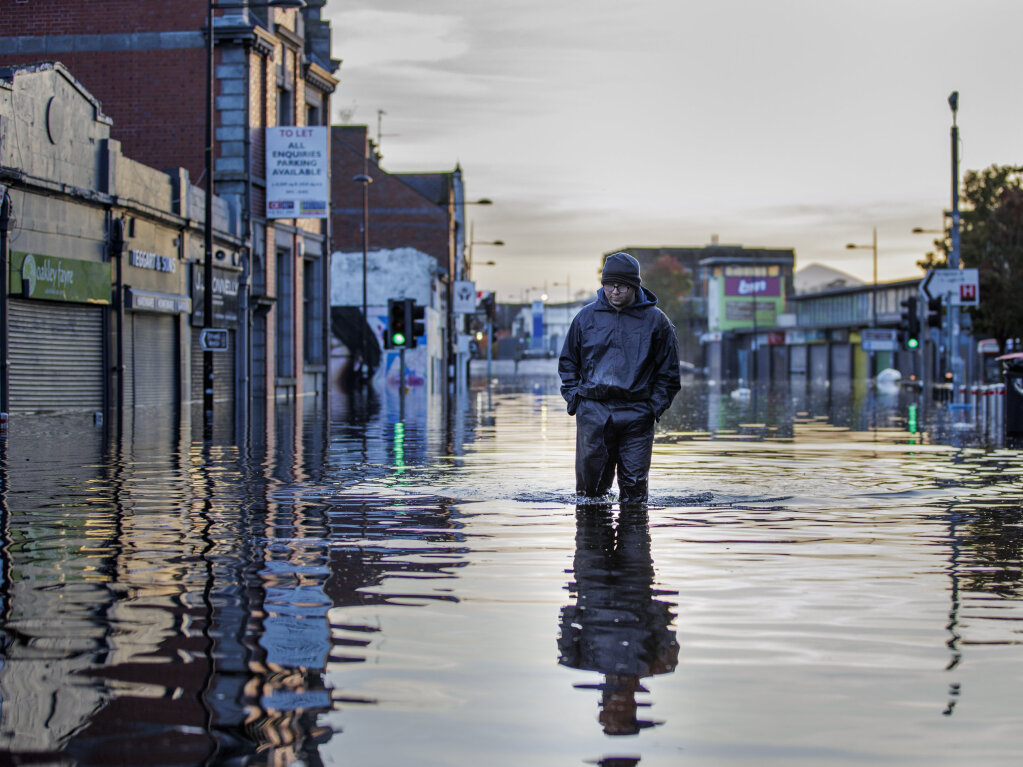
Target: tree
(671, 283)
(991, 241)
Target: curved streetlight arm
(873, 289)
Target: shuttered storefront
(819, 368)
(223, 369)
(153, 360)
(56, 355)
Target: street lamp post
(490, 322)
(472, 241)
(207, 299)
(567, 285)
(955, 357)
(364, 179)
(873, 292)
(490, 331)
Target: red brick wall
(82, 17)
(155, 98)
(399, 216)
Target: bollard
(979, 409)
(998, 414)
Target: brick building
(424, 212)
(407, 210)
(145, 62)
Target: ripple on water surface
(430, 591)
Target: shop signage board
(50, 278)
(879, 340)
(151, 301)
(226, 284)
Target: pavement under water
(811, 583)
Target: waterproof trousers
(610, 437)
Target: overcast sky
(596, 125)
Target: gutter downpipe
(117, 253)
(5, 362)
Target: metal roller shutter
(154, 361)
(223, 370)
(56, 354)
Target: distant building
(421, 213)
(397, 273)
(746, 291)
(814, 278)
(715, 305)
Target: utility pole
(954, 355)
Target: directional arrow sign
(959, 287)
(213, 339)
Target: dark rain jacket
(626, 355)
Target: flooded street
(813, 583)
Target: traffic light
(489, 305)
(934, 317)
(398, 323)
(910, 323)
(417, 321)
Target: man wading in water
(619, 371)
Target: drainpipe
(5, 362)
(117, 255)
(241, 356)
(243, 376)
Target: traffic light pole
(401, 385)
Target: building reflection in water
(198, 590)
(617, 625)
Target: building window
(285, 315)
(312, 311)
(285, 107)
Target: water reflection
(616, 626)
(985, 574)
(777, 412)
(328, 592)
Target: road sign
(213, 339)
(959, 287)
(465, 297)
(968, 294)
(879, 340)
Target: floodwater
(816, 581)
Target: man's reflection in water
(616, 626)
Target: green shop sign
(59, 279)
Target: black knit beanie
(621, 267)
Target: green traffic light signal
(397, 323)
(912, 343)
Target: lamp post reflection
(616, 625)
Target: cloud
(594, 124)
(379, 40)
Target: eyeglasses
(616, 287)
